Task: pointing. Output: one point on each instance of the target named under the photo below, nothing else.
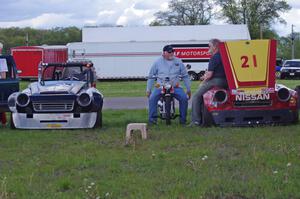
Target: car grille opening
(53, 106)
(254, 103)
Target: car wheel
(98, 123)
(168, 110)
(282, 76)
(193, 76)
(297, 89)
(207, 119)
(12, 124)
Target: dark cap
(168, 48)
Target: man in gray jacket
(168, 66)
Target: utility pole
(293, 42)
(27, 39)
(261, 31)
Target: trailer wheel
(193, 76)
(207, 119)
(201, 73)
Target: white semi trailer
(128, 52)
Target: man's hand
(148, 93)
(189, 94)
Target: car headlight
(23, 100)
(84, 99)
(168, 86)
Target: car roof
(293, 60)
(68, 64)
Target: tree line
(258, 15)
(12, 37)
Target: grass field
(176, 162)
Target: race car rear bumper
(254, 117)
(54, 120)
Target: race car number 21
(245, 60)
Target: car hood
(57, 87)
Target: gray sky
(63, 13)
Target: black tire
(201, 73)
(193, 76)
(12, 124)
(168, 109)
(207, 119)
(282, 76)
(98, 123)
(297, 89)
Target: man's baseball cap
(168, 48)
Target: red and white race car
(252, 96)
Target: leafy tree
(185, 12)
(12, 37)
(254, 13)
(285, 47)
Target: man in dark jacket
(214, 76)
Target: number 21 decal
(245, 60)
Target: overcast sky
(63, 13)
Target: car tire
(207, 119)
(98, 123)
(297, 89)
(282, 76)
(12, 124)
(193, 76)
(168, 110)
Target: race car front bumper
(254, 117)
(54, 120)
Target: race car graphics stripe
(258, 73)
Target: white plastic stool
(142, 127)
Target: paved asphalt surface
(128, 103)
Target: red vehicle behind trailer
(27, 58)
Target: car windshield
(78, 73)
(292, 64)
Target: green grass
(241, 162)
(175, 162)
(138, 88)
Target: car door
(10, 84)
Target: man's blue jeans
(179, 94)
